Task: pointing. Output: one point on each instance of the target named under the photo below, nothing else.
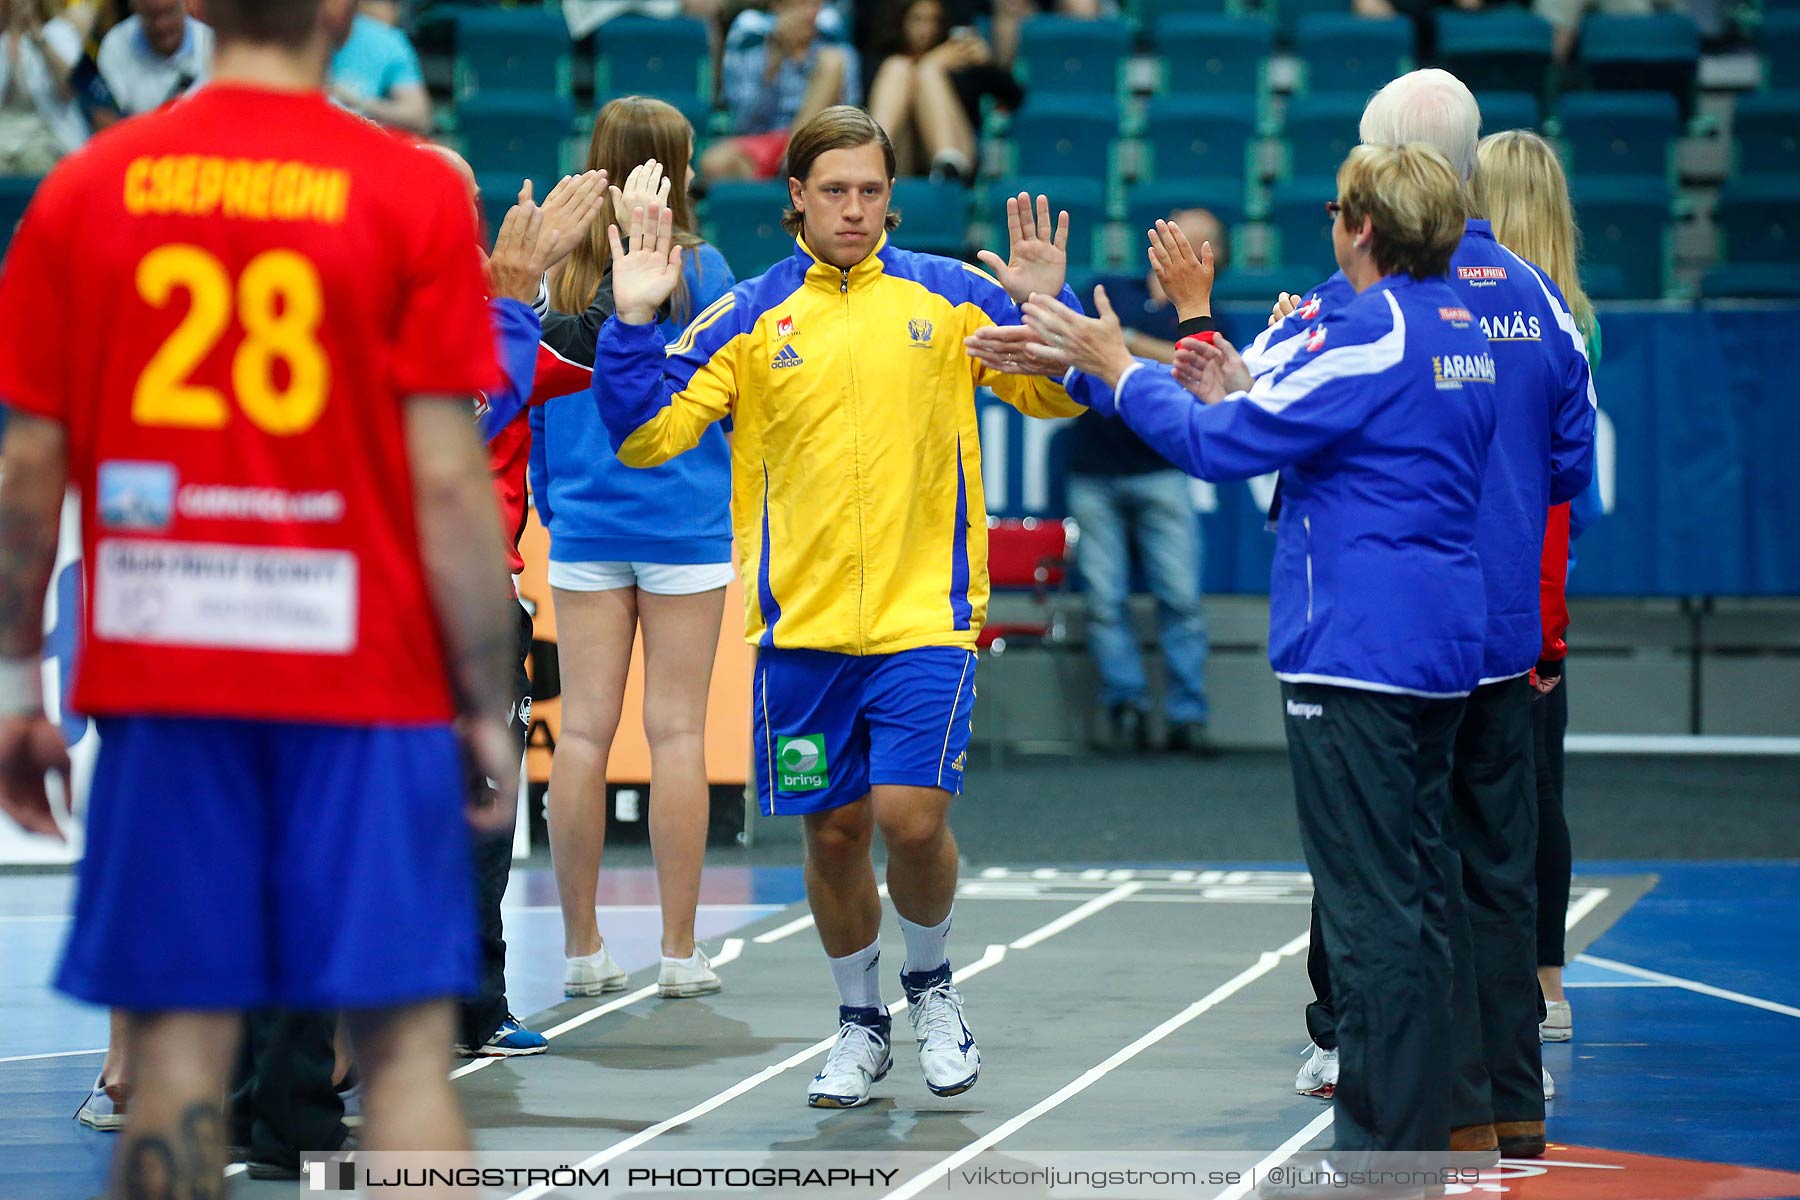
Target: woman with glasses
(1379, 421)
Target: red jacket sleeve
(1553, 577)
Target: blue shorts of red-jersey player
(829, 726)
(236, 864)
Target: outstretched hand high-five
(646, 264)
(1040, 260)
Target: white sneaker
(101, 1111)
(947, 1053)
(592, 974)
(692, 976)
(1558, 1024)
(859, 1059)
(1549, 1085)
(1319, 1073)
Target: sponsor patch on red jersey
(1481, 272)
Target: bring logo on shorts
(800, 764)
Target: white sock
(859, 977)
(927, 946)
(692, 960)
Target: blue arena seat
(1289, 14)
(1258, 286)
(1760, 220)
(1500, 49)
(1199, 135)
(1779, 42)
(1224, 198)
(1064, 135)
(1766, 128)
(934, 216)
(1619, 133)
(523, 134)
(1083, 197)
(1302, 227)
(1214, 55)
(1320, 130)
(645, 56)
(1343, 52)
(1152, 13)
(1655, 53)
(1508, 110)
(513, 49)
(743, 219)
(1624, 225)
(1751, 281)
(1064, 55)
(1602, 282)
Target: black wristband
(1549, 668)
(1194, 325)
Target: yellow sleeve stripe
(701, 323)
(974, 270)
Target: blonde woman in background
(632, 551)
(1520, 185)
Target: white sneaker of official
(859, 1059)
(592, 974)
(684, 977)
(948, 1056)
(1319, 1073)
(1558, 1024)
(100, 1111)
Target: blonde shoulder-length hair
(1520, 186)
(629, 131)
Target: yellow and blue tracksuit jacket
(856, 464)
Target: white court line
(1692, 985)
(1617, 983)
(730, 952)
(1578, 911)
(1266, 962)
(1279, 1155)
(1077, 915)
(994, 955)
(52, 1054)
(1679, 743)
(797, 924)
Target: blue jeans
(1153, 511)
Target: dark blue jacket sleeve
(516, 330)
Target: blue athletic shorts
(830, 726)
(236, 864)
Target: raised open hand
(646, 185)
(1014, 350)
(1094, 345)
(569, 213)
(1040, 260)
(646, 264)
(1211, 370)
(1186, 276)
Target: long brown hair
(1520, 185)
(629, 131)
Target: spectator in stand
(1521, 187)
(927, 91)
(783, 64)
(154, 55)
(1123, 494)
(1003, 19)
(1565, 16)
(40, 120)
(376, 71)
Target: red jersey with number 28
(225, 303)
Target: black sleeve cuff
(1550, 668)
(1194, 325)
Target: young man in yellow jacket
(859, 513)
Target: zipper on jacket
(862, 545)
(1306, 524)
